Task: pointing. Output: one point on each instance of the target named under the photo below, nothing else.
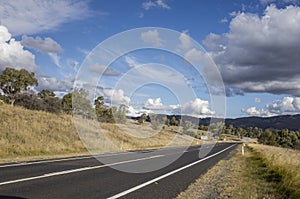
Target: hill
(28, 133)
(291, 122)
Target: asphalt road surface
(120, 175)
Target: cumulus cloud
(194, 56)
(154, 104)
(132, 112)
(12, 53)
(103, 70)
(152, 37)
(31, 17)
(260, 54)
(198, 108)
(115, 96)
(55, 84)
(155, 4)
(46, 45)
(286, 105)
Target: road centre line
(166, 175)
(76, 170)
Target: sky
(252, 46)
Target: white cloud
(149, 4)
(131, 61)
(46, 45)
(253, 111)
(155, 4)
(54, 84)
(31, 17)
(115, 96)
(286, 105)
(260, 53)
(12, 53)
(132, 112)
(185, 41)
(152, 37)
(224, 20)
(103, 70)
(154, 104)
(55, 58)
(194, 56)
(162, 4)
(198, 108)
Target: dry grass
(27, 134)
(250, 176)
(106, 137)
(285, 163)
(32, 133)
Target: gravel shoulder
(236, 177)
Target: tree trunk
(12, 102)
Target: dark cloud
(260, 54)
(46, 45)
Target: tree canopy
(14, 82)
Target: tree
(14, 82)
(67, 103)
(186, 126)
(46, 93)
(120, 114)
(155, 122)
(142, 118)
(109, 114)
(166, 121)
(174, 121)
(77, 103)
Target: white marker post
(122, 144)
(243, 150)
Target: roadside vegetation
(27, 134)
(263, 172)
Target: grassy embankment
(263, 172)
(27, 134)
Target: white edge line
(165, 175)
(60, 160)
(76, 170)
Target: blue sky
(255, 46)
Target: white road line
(59, 160)
(165, 175)
(76, 170)
(74, 158)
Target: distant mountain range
(291, 122)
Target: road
(86, 177)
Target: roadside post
(245, 139)
(243, 149)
